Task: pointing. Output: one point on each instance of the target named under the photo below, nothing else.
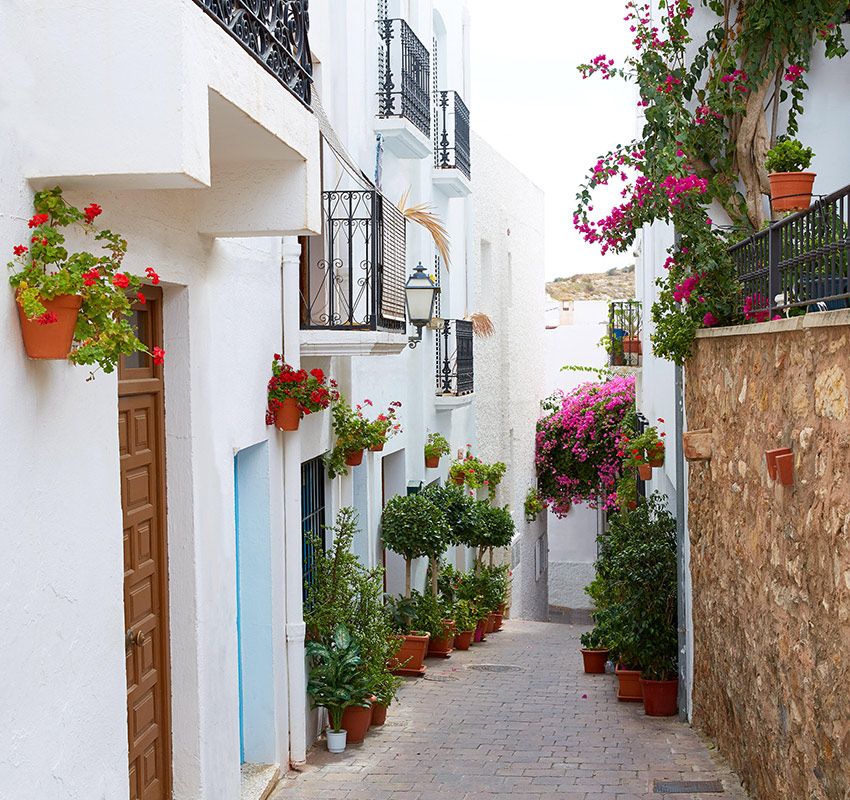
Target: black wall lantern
(420, 292)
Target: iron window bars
(624, 332)
(455, 366)
(404, 70)
(352, 277)
(799, 262)
(451, 133)
(276, 33)
(313, 519)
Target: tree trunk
(407, 566)
(479, 560)
(491, 558)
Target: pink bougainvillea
(579, 444)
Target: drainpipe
(295, 628)
(681, 533)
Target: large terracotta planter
(628, 684)
(594, 661)
(441, 648)
(480, 631)
(791, 191)
(287, 416)
(497, 622)
(355, 722)
(432, 462)
(354, 458)
(410, 656)
(53, 340)
(645, 472)
(379, 714)
(463, 640)
(660, 698)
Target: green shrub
(788, 155)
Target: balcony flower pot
(594, 661)
(629, 687)
(441, 648)
(379, 714)
(54, 339)
(645, 472)
(376, 448)
(497, 622)
(791, 191)
(433, 462)
(410, 656)
(356, 721)
(287, 416)
(336, 741)
(463, 640)
(660, 698)
(353, 458)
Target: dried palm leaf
(482, 325)
(424, 215)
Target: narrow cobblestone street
(539, 729)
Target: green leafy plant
(401, 614)
(594, 640)
(430, 616)
(627, 489)
(788, 155)
(534, 505)
(337, 680)
(45, 269)
(644, 448)
(496, 530)
(413, 526)
(386, 425)
(613, 345)
(352, 432)
(470, 471)
(465, 615)
(436, 446)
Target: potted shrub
(469, 471)
(431, 619)
(353, 436)
(436, 446)
(464, 615)
(65, 297)
(594, 652)
(294, 393)
(411, 644)
(790, 184)
(336, 682)
(383, 427)
(645, 451)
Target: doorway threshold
(258, 781)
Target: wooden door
(141, 435)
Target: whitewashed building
(176, 652)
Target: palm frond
(422, 214)
(482, 325)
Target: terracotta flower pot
(658, 461)
(660, 698)
(770, 457)
(376, 449)
(631, 344)
(458, 479)
(432, 462)
(410, 656)
(55, 339)
(440, 648)
(628, 689)
(594, 661)
(353, 458)
(480, 631)
(632, 505)
(491, 622)
(791, 191)
(379, 714)
(355, 722)
(785, 468)
(645, 472)
(287, 416)
(463, 640)
(497, 622)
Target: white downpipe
(295, 628)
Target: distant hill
(615, 284)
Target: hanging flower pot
(458, 479)
(52, 334)
(791, 191)
(785, 468)
(353, 458)
(287, 416)
(432, 462)
(376, 448)
(645, 471)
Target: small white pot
(336, 741)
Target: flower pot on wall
(336, 741)
(287, 416)
(628, 684)
(355, 722)
(594, 661)
(376, 448)
(770, 456)
(54, 339)
(791, 191)
(410, 656)
(660, 698)
(458, 479)
(645, 472)
(432, 462)
(697, 444)
(785, 468)
(354, 458)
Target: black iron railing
(275, 32)
(352, 277)
(404, 75)
(451, 133)
(799, 262)
(455, 373)
(624, 333)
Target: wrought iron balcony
(275, 32)
(798, 264)
(451, 133)
(404, 75)
(624, 333)
(455, 365)
(353, 276)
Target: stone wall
(771, 564)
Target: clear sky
(530, 103)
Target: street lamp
(420, 292)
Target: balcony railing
(624, 329)
(275, 32)
(455, 373)
(404, 75)
(799, 262)
(451, 133)
(352, 277)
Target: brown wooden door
(141, 435)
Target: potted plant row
(355, 433)
(472, 473)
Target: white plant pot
(336, 741)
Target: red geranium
(38, 219)
(309, 390)
(120, 280)
(158, 355)
(20, 250)
(91, 211)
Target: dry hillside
(615, 284)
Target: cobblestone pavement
(545, 730)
